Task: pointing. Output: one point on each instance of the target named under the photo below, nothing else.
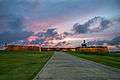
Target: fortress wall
(35, 48)
(22, 48)
(93, 49)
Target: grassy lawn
(105, 58)
(22, 65)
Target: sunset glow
(51, 22)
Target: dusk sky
(26, 17)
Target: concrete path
(67, 67)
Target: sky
(22, 18)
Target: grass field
(103, 58)
(21, 65)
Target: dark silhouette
(84, 44)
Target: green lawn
(103, 58)
(22, 65)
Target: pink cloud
(32, 38)
(42, 25)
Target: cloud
(58, 12)
(116, 40)
(42, 37)
(77, 28)
(11, 37)
(100, 29)
(96, 24)
(11, 29)
(49, 33)
(17, 16)
(11, 20)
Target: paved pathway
(67, 67)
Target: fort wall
(36, 48)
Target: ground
(60, 66)
(64, 66)
(21, 65)
(110, 59)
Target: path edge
(36, 77)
